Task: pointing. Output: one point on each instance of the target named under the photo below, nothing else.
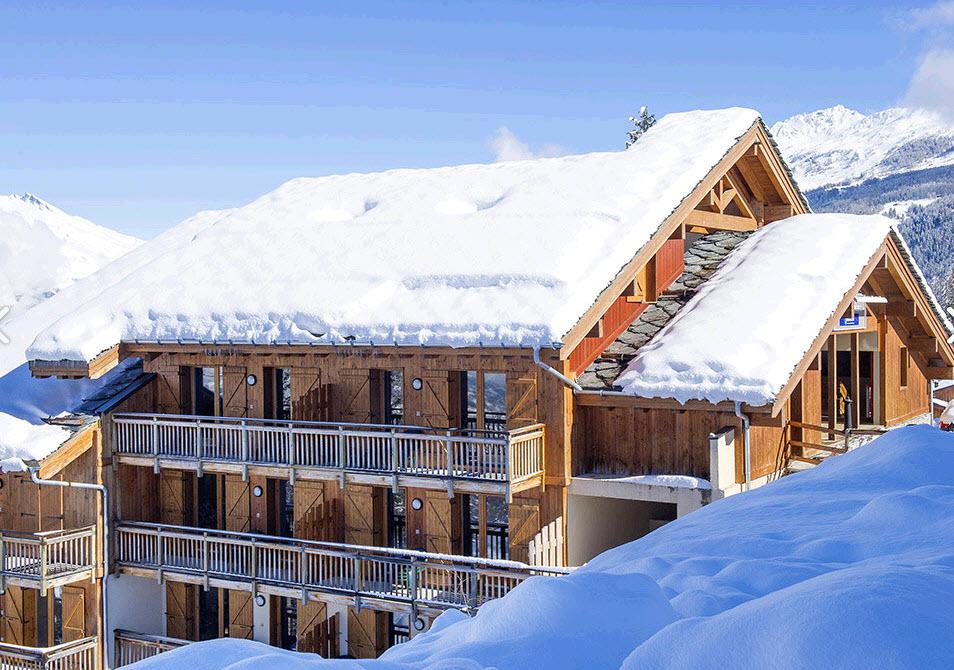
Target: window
(905, 363)
(484, 395)
(207, 391)
(278, 403)
(397, 520)
(394, 397)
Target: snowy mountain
(898, 162)
(844, 147)
(43, 249)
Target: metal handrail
(369, 573)
(77, 655)
(337, 447)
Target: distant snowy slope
(898, 162)
(848, 565)
(841, 146)
(43, 249)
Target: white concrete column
(261, 620)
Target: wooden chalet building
(325, 456)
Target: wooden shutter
(524, 518)
(367, 633)
(237, 505)
(363, 507)
(172, 385)
(234, 392)
(442, 523)
(309, 397)
(241, 621)
(521, 402)
(176, 497)
(181, 607)
(19, 616)
(435, 400)
(354, 392)
(314, 632)
(316, 512)
(74, 613)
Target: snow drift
(848, 565)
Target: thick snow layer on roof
(847, 565)
(747, 328)
(508, 253)
(21, 440)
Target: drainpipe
(746, 423)
(556, 373)
(35, 476)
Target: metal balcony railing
(488, 457)
(79, 655)
(133, 647)
(370, 575)
(47, 560)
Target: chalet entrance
(849, 367)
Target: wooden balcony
(134, 647)
(47, 560)
(474, 461)
(79, 655)
(394, 580)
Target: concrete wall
(596, 524)
(136, 604)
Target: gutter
(746, 424)
(35, 476)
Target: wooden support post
(832, 385)
(856, 379)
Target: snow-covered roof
(743, 333)
(510, 253)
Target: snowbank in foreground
(849, 565)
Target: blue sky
(137, 117)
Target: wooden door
(19, 616)
(234, 392)
(241, 622)
(364, 515)
(181, 608)
(367, 633)
(442, 523)
(521, 401)
(316, 511)
(237, 509)
(524, 517)
(74, 613)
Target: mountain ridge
(44, 249)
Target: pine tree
(642, 122)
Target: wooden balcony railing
(501, 460)
(79, 655)
(133, 647)
(377, 577)
(47, 560)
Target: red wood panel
(670, 262)
(617, 319)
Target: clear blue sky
(138, 117)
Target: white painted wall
(595, 524)
(261, 621)
(136, 604)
